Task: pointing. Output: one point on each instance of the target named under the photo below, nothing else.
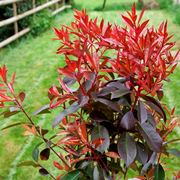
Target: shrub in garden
(111, 118)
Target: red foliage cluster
(139, 53)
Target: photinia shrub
(111, 118)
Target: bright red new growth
(139, 53)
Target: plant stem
(36, 128)
(171, 141)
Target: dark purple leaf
(42, 110)
(44, 154)
(128, 121)
(89, 82)
(10, 113)
(152, 138)
(160, 94)
(111, 104)
(142, 154)
(159, 173)
(69, 81)
(98, 116)
(119, 93)
(71, 109)
(151, 120)
(43, 172)
(117, 85)
(142, 112)
(97, 173)
(151, 161)
(106, 90)
(101, 132)
(154, 104)
(127, 148)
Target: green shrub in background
(172, 8)
(165, 4)
(177, 15)
(37, 22)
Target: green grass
(35, 63)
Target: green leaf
(12, 125)
(127, 148)
(101, 132)
(28, 163)
(159, 173)
(73, 175)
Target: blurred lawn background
(35, 63)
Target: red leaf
(112, 155)
(98, 142)
(83, 132)
(128, 21)
(57, 165)
(3, 73)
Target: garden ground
(35, 63)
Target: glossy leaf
(42, 110)
(44, 154)
(100, 132)
(10, 113)
(127, 148)
(142, 154)
(113, 105)
(142, 112)
(58, 165)
(152, 138)
(159, 173)
(155, 105)
(150, 162)
(97, 173)
(71, 109)
(119, 93)
(128, 121)
(43, 172)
